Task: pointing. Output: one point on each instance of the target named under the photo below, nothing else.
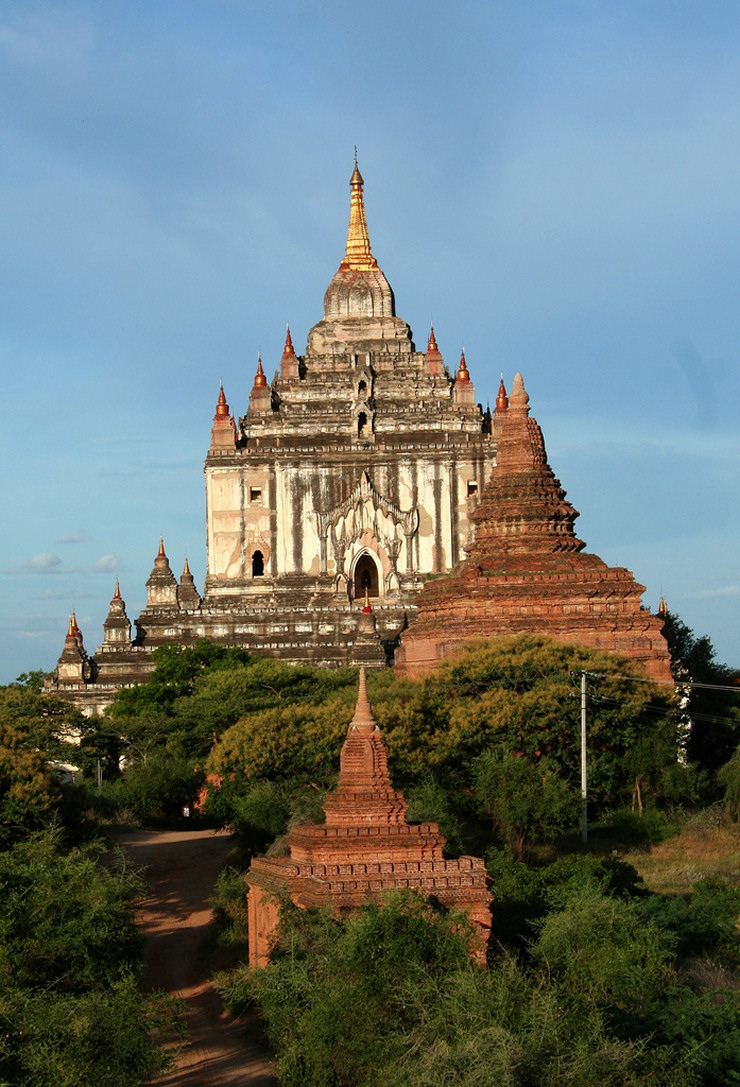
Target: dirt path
(181, 870)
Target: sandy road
(181, 871)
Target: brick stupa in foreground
(526, 571)
(365, 847)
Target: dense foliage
(70, 1009)
(601, 996)
(34, 734)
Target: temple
(362, 474)
(527, 571)
(354, 471)
(364, 847)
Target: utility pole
(584, 768)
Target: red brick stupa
(365, 847)
(526, 570)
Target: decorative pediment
(365, 502)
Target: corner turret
(463, 391)
(161, 586)
(117, 627)
(188, 597)
(260, 400)
(223, 431)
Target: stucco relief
(368, 520)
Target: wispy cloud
(722, 591)
(61, 594)
(44, 563)
(73, 538)
(108, 564)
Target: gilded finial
(117, 593)
(160, 553)
(432, 348)
(222, 408)
(288, 350)
(72, 630)
(662, 607)
(462, 373)
(358, 255)
(502, 400)
(260, 379)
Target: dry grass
(707, 847)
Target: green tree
(70, 1009)
(525, 799)
(714, 715)
(34, 731)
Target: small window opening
(255, 494)
(362, 389)
(472, 488)
(363, 428)
(258, 564)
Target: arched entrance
(258, 564)
(366, 577)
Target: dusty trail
(181, 870)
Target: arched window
(362, 425)
(258, 564)
(362, 390)
(366, 577)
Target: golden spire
(117, 593)
(72, 630)
(186, 568)
(358, 255)
(160, 553)
(432, 348)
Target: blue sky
(557, 184)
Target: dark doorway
(366, 577)
(258, 564)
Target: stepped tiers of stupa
(364, 847)
(354, 471)
(527, 571)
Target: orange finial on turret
(358, 255)
(222, 408)
(186, 567)
(260, 380)
(161, 553)
(432, 348)
(462, 373)
(72, 630)
(117, 593)
(502, 400)
(288, 350)
(662, 607)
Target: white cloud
(73, 538)
(107, 564)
